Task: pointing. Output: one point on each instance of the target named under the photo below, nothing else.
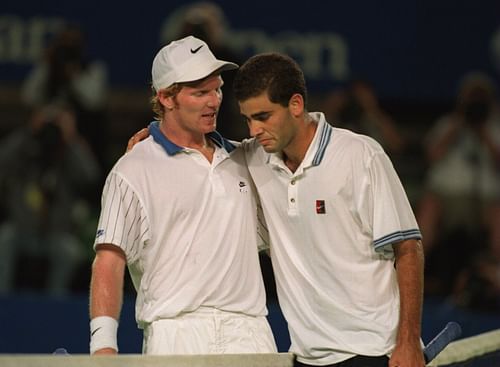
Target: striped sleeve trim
(395, 237)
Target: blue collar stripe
(221, 142)
(326, 133)
(172, 149)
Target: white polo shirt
(331, 224)
(188, 228)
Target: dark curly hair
(275, 73)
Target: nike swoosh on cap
(196, 49)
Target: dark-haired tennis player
(345, 245)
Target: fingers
(130, 144)
(137, 137)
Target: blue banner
(408, 50)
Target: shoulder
(355, 143)
(253, 151)
(137, 159)
(131, 169)
(353, 152)
(249, 145)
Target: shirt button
(293, 182)
(292, 200)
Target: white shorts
(209, 331)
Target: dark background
(411, 51)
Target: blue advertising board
(408, 50)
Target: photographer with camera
(45, 167)
(458, 210)
(67, 75)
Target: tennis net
(482, 350)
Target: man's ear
(296, 105)
(167, 101)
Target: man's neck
(294, 154)
(187, 139)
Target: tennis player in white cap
(180, 212)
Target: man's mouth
(210, 115)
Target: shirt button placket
(292, 196)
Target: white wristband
(103, 331)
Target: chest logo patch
(320, 207)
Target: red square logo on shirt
(320, 207)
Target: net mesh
(482, 350)
(475, 351)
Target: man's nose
(215, 99)
(254, 127)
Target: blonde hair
(157, 107)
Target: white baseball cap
(185, 60)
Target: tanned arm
(410, 271)
(106, 286)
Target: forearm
(106, 294)
(106, 287)
(409, 268)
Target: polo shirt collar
(316, 150)
(321, 138)
(172, 148)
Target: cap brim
(202, 71)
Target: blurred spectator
(458, 211)
(357, 108)
(206, 20)
(44, 167)
(67, 76)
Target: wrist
(103, 334)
